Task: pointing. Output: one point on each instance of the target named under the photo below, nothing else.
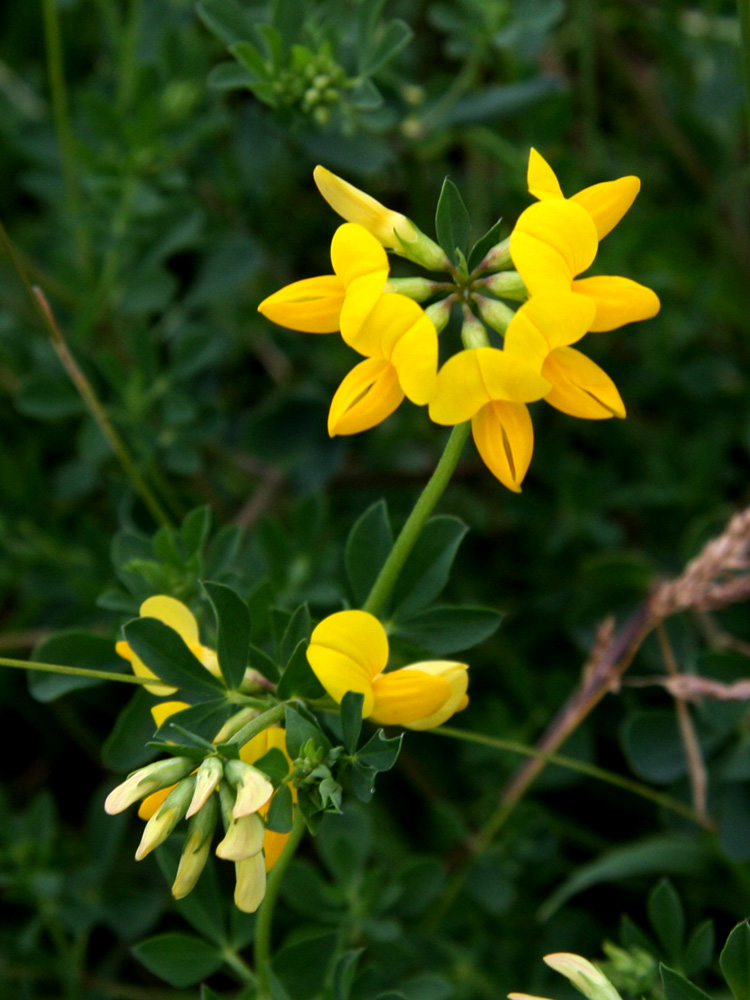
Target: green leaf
(363, 781)
(380, 752)
(396, 35)
(667, 918)
(443, 630)
(301, 728)
(700, 948)
(263, 663)
(233, 631)
(48, 397)
(297, 631)
(480, 249)
(281, 811)
(302, 967)
(204, 720)
(77, 649)
(426, 571)
(678, 855)
(735, 961)
(203, 907)
(125, 748)
(653, 747)
(228, 20)
(351, 718)
(343, 977)
(452, 223)
(195, 528)
(298, 678)
(251, 60)
(501, 100)
(367, 548)
(274, 764)
(164, 652)
(676, 987)
(180, 959)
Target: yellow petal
(140, 669)
(415, 358)
(355, 253)
(404, 697)
(546, 321)
(552, 242)
(458, 678)
(367, 395)
(607, 203)
(392, 316)
(273, 844)
(509, 378)
(347, 650)
(617, 300)
(152, 802)
(164, 709)
(356, 206)
(312, 305)
(259, 745)
(541, 179)
(504, 437)
(580, 387)
(362, 295)
(173, 613)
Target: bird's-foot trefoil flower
(585, 976)
(349, 651)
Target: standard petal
(606, 203)
(173, 613)
(458, 678)
(367, 395)
(541, 179)
(509, 378)
(362, 295)
(504, 437)
(347, 650)
(617, 300)
(552, 242)
(357, 206)
(390, 318)
(415, 358)
(164, 709)
(355, 252)
(140, 669)
(459, 390)
(404, 697)
(546, 321)
(312, 305)
(580, 387)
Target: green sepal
(452, 223)
(232, 631)
(351, 718)
(280, 815)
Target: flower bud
(586, 978)
(473, 333)
(244, 838)
(196, 850)
(253, 787)
(167, 817)
(207, 780)
(146, 780)
(250, 887)
(440, 312)
(507, 284)
(235, 723)
(497, 257)
(355, 206)
(495, 314)
(418, 289)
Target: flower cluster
(553, 242)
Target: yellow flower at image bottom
(349, 651)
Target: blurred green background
(156, 160)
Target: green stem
(240, 966)
(417, 519)
(264, 923)
(489, 830)
(258, 724)
(128, 45)
(65, 137)
(57, 668)
(743, 8)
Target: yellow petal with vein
(312, 305)
(504, 436)
(415, 358)
(458, 678)
(357, 206)
(552, 242)
(355, 252)
(347, 650)
(617, 300)
(580, 387)
(367, 395)
(606, 203)
(404, 697)
(541, 179)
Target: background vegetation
(157, 183)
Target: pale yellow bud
(253, 787)
(166, 818)
(473, 332)
(440, 312)
(355, 206)
(146, 780)
(196, 850)
(250, 887)
(207, 780)
(586, 978)
(244, 838)
(495, 314)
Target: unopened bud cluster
(232, 789)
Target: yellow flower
(348, 651)
(179, 617)
(490, 387)
(557, 239)
(257, 747)
(314, 305)
(400, 344)
(549, 323)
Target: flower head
(348, 651)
